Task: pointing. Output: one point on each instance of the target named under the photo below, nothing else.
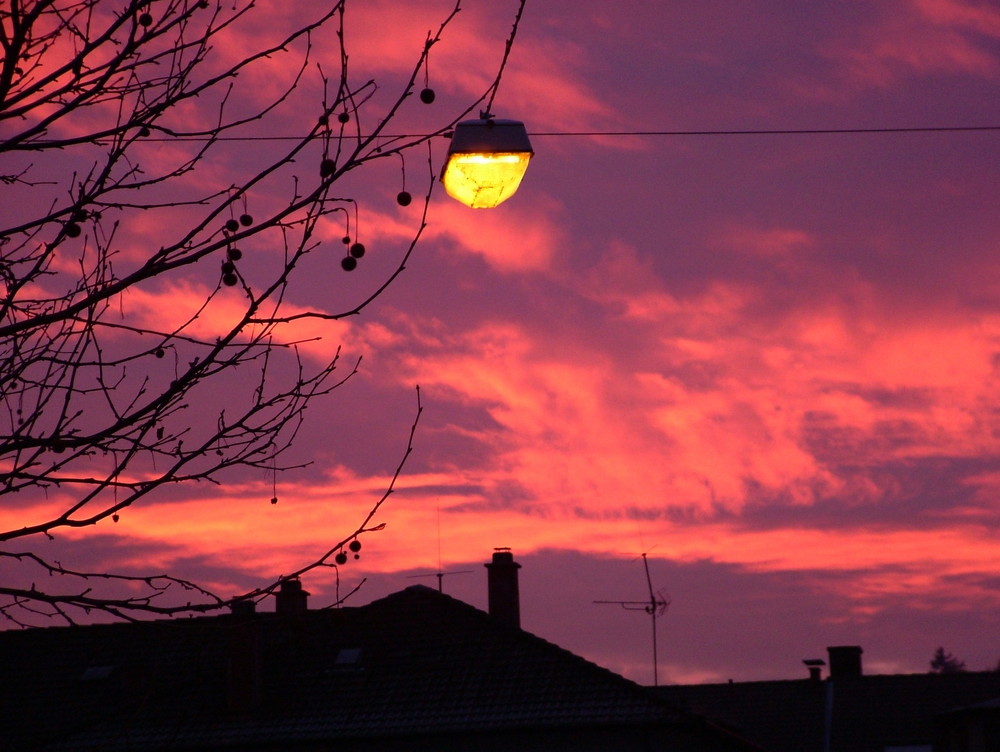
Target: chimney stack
(243, 609)
(815, 666)
(845, 661)
(505, 600)
(291, 598)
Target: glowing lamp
(486, 161)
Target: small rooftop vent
(815, 666)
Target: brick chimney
(505, 600)
(845, 661)
(291, 598)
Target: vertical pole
(651, 609)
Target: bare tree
(119, 123)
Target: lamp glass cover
(484, 180)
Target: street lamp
(486, 161)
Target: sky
(768, 361)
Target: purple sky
(769, 361)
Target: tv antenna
(440, 574)
(656, 606)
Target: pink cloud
(545, 79)
(977, 17)
(920, 38)
(771, 243)
(518, 237)
(166, 308)
(709, 405)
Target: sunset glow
(767, 360)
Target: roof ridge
(605, 673)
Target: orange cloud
(246, 532)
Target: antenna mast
(655, 606)
(440, 573)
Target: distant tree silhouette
(142, 159)
(944, 662)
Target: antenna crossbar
(440, 576)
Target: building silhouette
(416, 670)
(421, 671)
(851, 712)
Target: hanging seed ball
(403, 198)
(327, 167)
(80, 215)
(145, 20)
(203, 4)
(114, 517)
(232, 225)
(274, 499)
(144, 131)
(246, 220)
(340, 558)
(73, 229)
(427, 95)
(234, 254)
(355, 545)
(159, 352)
(344, 117)
(229, 280)
(349, 263)
(357, 250)
(346, 240)
(228, 267)
(324, 120)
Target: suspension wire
(779, 131)
(506, 54)
(890, 130)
